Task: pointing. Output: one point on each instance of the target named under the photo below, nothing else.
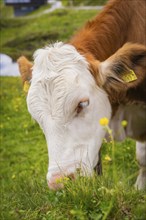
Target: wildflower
(26, 86)
(104, 121)
(124, 123)
(107, 158)
(62, 179)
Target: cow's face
(65, 100)
(68, 104)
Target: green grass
(25, 35)
(24, 191)
(5, 12)
(83, 2)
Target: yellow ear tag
(130, 76)
(26, 86)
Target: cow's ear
(25, 68)
(124, 69)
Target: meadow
(24, 191)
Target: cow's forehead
(63, 74)
(64, 93)
(53, 60)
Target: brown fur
(129, 57)
(118, 23)
(25, 68)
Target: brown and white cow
(77, 83)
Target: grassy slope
(24, 36)
(24, 192)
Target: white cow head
(65, 100)
(68, 104)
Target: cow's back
(137, 29)
(119, 22)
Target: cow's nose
(58, 181)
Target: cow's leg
(141, 157)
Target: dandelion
(104, 121)
(124, 123)
(107, 158)
(26, 86)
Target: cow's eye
(82, 105)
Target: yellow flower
(62, 179)
(107, 158)
(124, 123)
(104, 121)
(26, 86)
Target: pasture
(24, 191)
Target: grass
(5, 12)
(25, 35)
(24, 191)
(84, 2)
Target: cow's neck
(103, 36)
(106, 33)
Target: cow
(100, 72)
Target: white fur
(61, 79)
